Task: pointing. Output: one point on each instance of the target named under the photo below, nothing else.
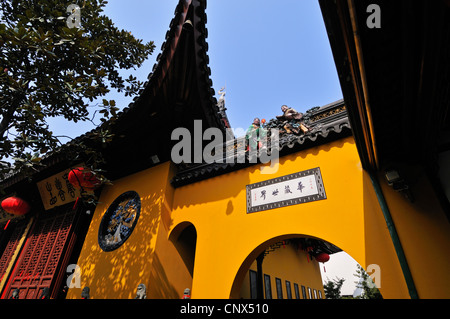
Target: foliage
(370, 291)
(48, 69)
(332, 288)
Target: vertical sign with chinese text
(297, 188)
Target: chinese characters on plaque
(297, 188)
(57, 190)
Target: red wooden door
(10, 247)
(41, 258)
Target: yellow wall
(379, 247)
(142, 258)
(228, 239)
(288, 263)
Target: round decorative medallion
(119, 221)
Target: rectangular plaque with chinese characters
(57, 190)
(292, 189)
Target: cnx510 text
(246, 308)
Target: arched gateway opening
(284, 267)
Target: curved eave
(190, 16)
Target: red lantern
(82, 177)
(15, 206)
(322, 257)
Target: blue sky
(267, 53)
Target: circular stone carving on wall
(119, 221)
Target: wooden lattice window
(11, 248)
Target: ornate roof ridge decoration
(222, 108)
(326, 123)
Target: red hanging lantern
(82, 177)
(322, 257)
(15, 206)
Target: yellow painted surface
(424, 232)
(379, 248)
(57, 190)
(169, 275)
(228, 239)
(288, 264)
